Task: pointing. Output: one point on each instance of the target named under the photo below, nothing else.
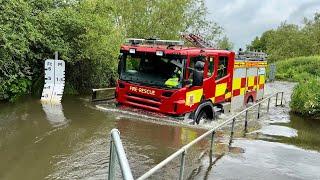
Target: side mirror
(197, 78)
(198, 74)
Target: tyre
(204, 117)
(249, 101)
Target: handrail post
(112, 157)
(281, 97)
(121, 155)
(211, 146)
(268, 108)
(259, 107)
(276, 99)
(212, 142)
(246, 122)
(232, 131)
(182, 163)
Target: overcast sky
(242, 20)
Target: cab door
(194, 94)
(223, 79)
(209, 77)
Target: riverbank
(306, 95)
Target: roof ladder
(197, 40)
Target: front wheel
(203, 117)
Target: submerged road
(72, 142)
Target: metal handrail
(182, 151)
(126, 172)
(116, 147)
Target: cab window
(193, 61)
(132, 64)
(222, 67)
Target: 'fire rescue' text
(142, 90)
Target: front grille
(143, 103)
(144, 97)
(143, 100)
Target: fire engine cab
(167, 77)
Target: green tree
(312, 31)
(16, 32)
(290, 40)
(165, 19)
(255, 44)
(261, 43)
(87, 34)
(225, 43)
(91, 42)
(197, 22)
(84, 33)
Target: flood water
(72, 142)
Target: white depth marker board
(54, 81)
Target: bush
(290, 40)
(16, 32)
(305, 98)
(298, 69)
(84, 33)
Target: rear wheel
(250, 101)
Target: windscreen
(149, 69)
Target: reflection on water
(172, 137)
(266, 160)
(39, 143)
(146, 144)
(54, 113)
(308, 133)
(31, 147)
(275, 130)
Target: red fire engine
(169, 78)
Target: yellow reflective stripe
(236, 83)
(228, 95)
(249, 64)
(239, 64)
(193, 97)
(250, 81)
(242, 91)
(261, 79)
(263, 64)
(220, 89)
(213, 99)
